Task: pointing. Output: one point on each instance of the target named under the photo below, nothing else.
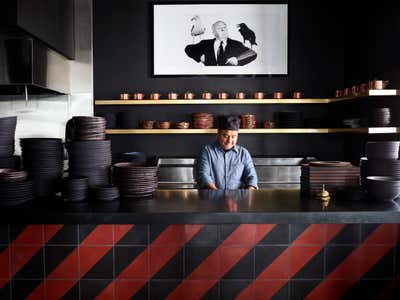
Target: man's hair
(215, 24)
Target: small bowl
(240, 95)
(138, 96)
(124, 96)
(258, 95)
(278, 95)
(223, 95)
(297, 95)
(206, 96)
(155, 96)
(189, 96)
(383, 188)
(146, 124)
(172, 96)
(182, 125)
(163, 124)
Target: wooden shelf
(387, 92)
(370, 130)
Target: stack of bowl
(14, 188)
(75, 189)
(248, 121)
(203, 120)
(7, 134)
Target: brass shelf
(369, 130)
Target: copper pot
(189, 96)
(206, 96)
(163, 124)
(269, 124)
(354, 90)
(138, 96)
(240, 95)
(172, 96)
(278, 95)
(124, 96)
(297, 95)
(338, 93)
(346, 92)
(259, 95)
(223, 95)
(363, 88)
(379, 84)
(146, 124)
(155, 96)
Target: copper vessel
(138, 96)
(124, 96)
(354, 90)
(240, 95)
(248, 121)
(189, 96)
(155, 96)
(379, 84)
(258, 95)
(172, 96)
(223, 95)
(206, 96)
(297, 95)
(338, 93)
(269, 124)
(363, 88)
(146, 124)
(346, 92)
(182, 125)
(278, 95)
(163, 124)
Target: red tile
(370, 255)
(32, 234)
(278, 269)
(55, 289)
(108, 293)
(210, 267)
(123, 288)
(244, 235)
(139, 268)
(51, 230)
(20, 255)
(384, 234)
(68, 268)
(314, 234)
(39, 294)
(300, 256)
(230, 256)
(159, 256)
(101, 235)
(331, 290)
(265, 289)
(120, 231)
(193, 290)
(89, 256)
(261, 229)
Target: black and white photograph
(220, 39)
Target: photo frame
(220, 39)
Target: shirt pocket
(237, 172)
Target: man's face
(227, 139)
(220, 31)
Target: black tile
(138, 235)
(124, 255)
(299, 289)
(16, 230)
(226, 230)
(213, 293)
(350, 234)
(67, 235)
(173, 269)
(296, 230)
(354, 292)
(103, 269)
(231, 288)
(4, 234)
(384, 268)
(92, 288)
(5, 292)
(21, 289)
(194, 256)
(85, 230)
(208, 236)
(367, 289)
(335, 255)
(313, 269)
(34, 268)
(397, 265)
(265, 255)
(244, 269)
(367, 229)
(142, 294)
(54, 255)
(72, 293)
(156, 230)
(278, 235)
(160, 289)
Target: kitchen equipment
(124, 96)
(383, 188)
(278, 95)
(155, 96)
(189, 95)
(206, 96)
(240, 95)
(258, 95)
(297, 95)
(138, 96)
(223, 95)
(172, 96)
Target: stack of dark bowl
(380, 117)
(203, 120)
(380, 169)
(335, 175)
(290, 119)
(135, 180)
(7, 134)
(43, 159)
(14, 188)
(75, 189)
(89, 153)
(248, 121)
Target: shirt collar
(235, 148)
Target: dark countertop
(210, 207)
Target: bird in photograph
(247, 34)
(198, 28)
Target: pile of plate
(203, 121)
(135, 180)
(290, 119)
(383, 188)
(380, 117)
(75, 189)
(43, 159)
(14, 193)
(105, 192)
(7, 134)
(86, 128)
(382, 150)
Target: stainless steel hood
(27, 65)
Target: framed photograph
(220, 39)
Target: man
(224, 164)
(220, 51)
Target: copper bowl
(297, 95)
(163, 124)
(206, 96)
(258, 95)
(278, 95)
(138, 96)
(172, 96)
(223, 95)
(189, 96)
(346, 92)
(155, 96)
(124, 96)
(338, 93)
(182, 125)
(269, 124)
(146, 124)
(240, 95)
(379, 84)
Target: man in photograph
(220, 51)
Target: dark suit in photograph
(233, 48)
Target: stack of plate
(135, 180)
(380, 117)
(203, 120)
(383, 188)
(335, 175)
(84, 128)
(248, 121)
(290, 119)
(105, 193)
(12, 162)
(43, 159)
(75, 189)
(378, 167)
(91, 159)
(14, 193)
(382, 150)
(7, 133)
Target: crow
(198, 28)
(247, 34)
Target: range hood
(29, 66)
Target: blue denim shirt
(228, 170)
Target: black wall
(319, 58)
